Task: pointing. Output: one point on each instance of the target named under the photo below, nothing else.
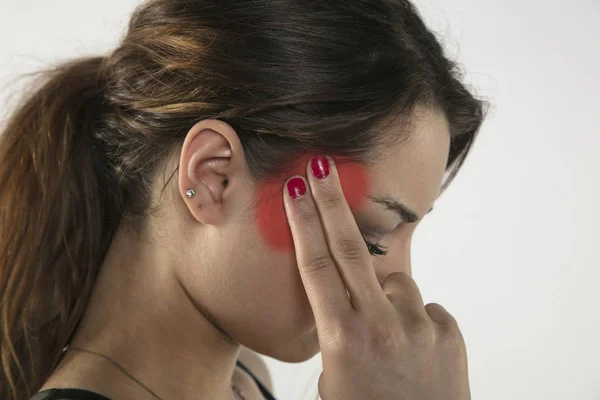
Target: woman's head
(229, 98)
(230, 245)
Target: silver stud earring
(190, 193)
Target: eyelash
(375, 249)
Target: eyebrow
(390, 203)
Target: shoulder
(257, 365)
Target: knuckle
(448, 331)
(330, 202)
(350, 249)
(399, 282)
(400, 278)
(440, 315)
(318, 264)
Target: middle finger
(343, 235)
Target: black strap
(263, 389)
(67, 394)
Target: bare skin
(175, 306)
(377, 341)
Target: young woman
(163, 220)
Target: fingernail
(320, 167)
(296, 187)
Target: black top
(81, 394)
(67, 394)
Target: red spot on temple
(270, 212)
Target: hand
(376, 342)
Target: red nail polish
(296, 187)
(320, 167)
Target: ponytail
(55, 222)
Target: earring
(191, 192)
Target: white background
(511, 249)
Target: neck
(141, 317)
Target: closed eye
(375, 249)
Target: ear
(211, 163)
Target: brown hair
(79, 153)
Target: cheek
(270, 214)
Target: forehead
(412, 171)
